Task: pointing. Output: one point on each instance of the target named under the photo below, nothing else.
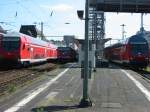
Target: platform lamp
(80, 14)
(85, 101)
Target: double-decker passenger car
(24, 49)
(134, 51)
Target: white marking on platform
(52, 95)
(75, 89)
(111, 105)
(28, 98)
(139, 85)
(71, 96)
(69, 81)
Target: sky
(36, 11)
(22, 12)
(132, 24)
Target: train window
(64, 48)
(136, 48)
(10, 45)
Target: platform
(110, 89)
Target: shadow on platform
(54, 108)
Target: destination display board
(133, 6)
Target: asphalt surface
(110, 89)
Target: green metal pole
(85, 101)
(86, 54)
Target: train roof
(63, 47)
(2, 30)
(52, 45)
(12, 34)
(30, 39)
(2, 33)
(135, 38)
(114, 45)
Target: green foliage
(40, 110)
(11, 88)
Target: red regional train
(24, 49)
(134, 51)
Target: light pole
(42, 26)
(67, 23)
(142, 26)
(85, 101)
(123, 31)
(42, 35)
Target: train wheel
(26, 64)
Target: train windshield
(139, 48)
(63, 48)
(10, 43)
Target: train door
(31, 53)
(45, 53)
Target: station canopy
(132, 6)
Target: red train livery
(134, 51)
(25, 49)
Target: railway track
(144, 74)
(18, 77)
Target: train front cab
(139, 52)
(66, 54)
(10, 49)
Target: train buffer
(111, 89)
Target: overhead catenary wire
(37, 5)
(21, 8)
(27, 9)
(48, 16)
(6, 4)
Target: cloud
(59, 7)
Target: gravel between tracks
(10, 79)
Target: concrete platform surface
(110, 90)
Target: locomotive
(23, 49)
(133, 51)
(66, 54)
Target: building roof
(81, 41)
(134, 6)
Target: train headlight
(146, 58)
(131, 58)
